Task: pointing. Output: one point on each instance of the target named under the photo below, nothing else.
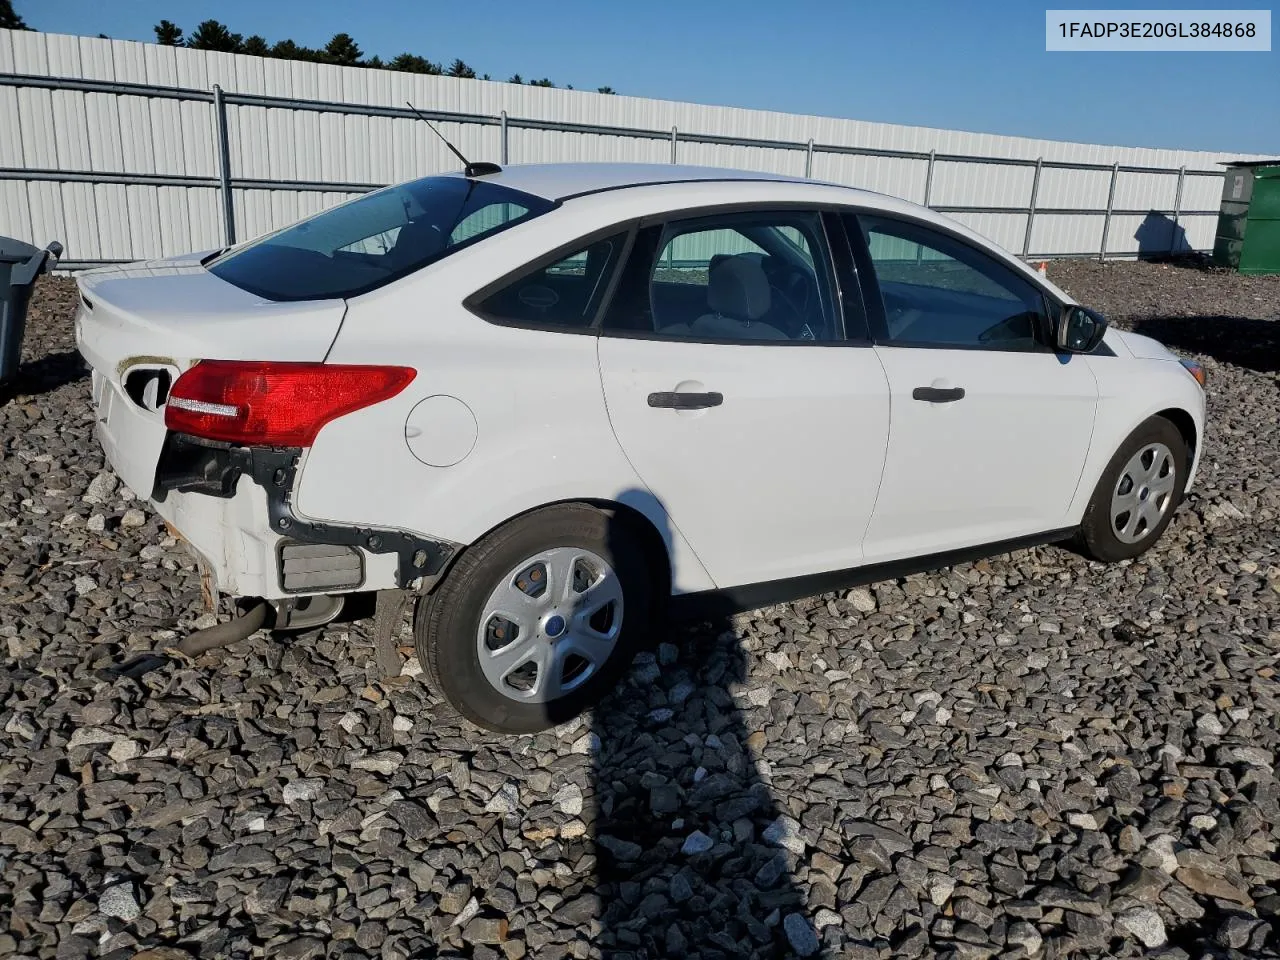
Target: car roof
(560, 181)
(563, 181)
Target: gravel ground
(1028, 756)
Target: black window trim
(848, 283)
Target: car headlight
(1196, 370)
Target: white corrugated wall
(90, 132)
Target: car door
(737, 397)
(990, 427)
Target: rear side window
(361, 245)
(563, 294)
(759, 275)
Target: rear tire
(535, 622)
(1137, 493)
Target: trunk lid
(140, 325)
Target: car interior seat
(737, 297)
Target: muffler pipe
(220, 634)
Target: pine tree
(212, 35)
(412, 63)
(168, 33)
(288, 50)
(9, 19)
(342, 50)
(460, 69)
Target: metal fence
(227, 182)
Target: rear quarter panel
(542, 430)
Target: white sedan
(551, 402)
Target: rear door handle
(672, 400)
(938, 394)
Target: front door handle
(681, 400)
(938, 394)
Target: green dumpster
(1248, 237)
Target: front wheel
(536, 622)
(1137, 493)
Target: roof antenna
(480, 168)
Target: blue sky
(943, 64)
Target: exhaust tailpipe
(220, 634)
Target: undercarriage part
(388, 618)
(221, 634)
(210, 638)
(191, 464)
(136, 667)
(306, 613)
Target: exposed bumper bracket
(388, 618)
(204, 466)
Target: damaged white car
(551, 403)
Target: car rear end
(215, 444)
(210, 386)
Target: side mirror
(1079, 329)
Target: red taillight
(274, 404)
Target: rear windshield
(374, 239)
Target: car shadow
(693, 855)
(1249, 343)
(47, 374)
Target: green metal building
(1248, 237)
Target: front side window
(563, 294)
(379, 237)
(740, 276)
(939, 291)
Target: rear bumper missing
(234, 507)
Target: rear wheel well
(655, 548)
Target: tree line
(9, 19)
(341, 49)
